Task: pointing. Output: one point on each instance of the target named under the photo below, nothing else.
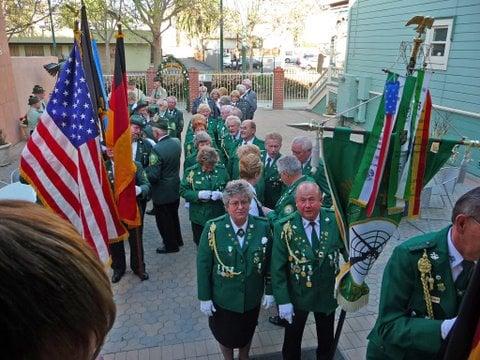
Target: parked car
(309, 61)
(290, 57)
(233, 64)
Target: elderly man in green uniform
(290, 171)
(233, 271)
(271, 178)
(163, 174)
(248, 128)
(423, 285)
(302, 148)
(174, 117)
(141, 147)
(135, 236)
(231, 140)
(305, 261)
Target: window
(439, 39)
(34, 50)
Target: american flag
(62, 161)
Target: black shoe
(151, 211)
(143, 276)
(276, 320)
(180, 243)
(162, 250)
(117, 275)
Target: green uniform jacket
(163, 172)
(318, 174)
(142, 155)
(195, 180)
(188, 144)
(273, 186)
(244, 291)
(175, 122)
(140, 179)
(402, 330)
(308, 283)
(235, 161)
(191, 159)
(286, 204)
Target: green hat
(161, 124)
(138, 120)
(37, 89)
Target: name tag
(435, 299)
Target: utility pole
(221, 36)
(54, 42)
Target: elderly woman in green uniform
(202, 187)
(201, 140)
(233, 265)
(34, 112)
(198, 123)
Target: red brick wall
(193, 84)
(278, 80)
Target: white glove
(268, 300)
(447, 326)
(217, 195)
(204, 194)
(285, 311)
(187, 205)
(207, 307)
(138, 190)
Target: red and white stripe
(73, 183)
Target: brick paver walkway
(160, 318)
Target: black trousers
(292, 341)
(168, 224)
(135, 240)
(197, 232)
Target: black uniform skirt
(231, 329)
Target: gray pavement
(160, 318)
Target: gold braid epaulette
(287, 234)
(227, 271)
(190, 179)
(425, 268)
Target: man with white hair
(204, 98)
(174, 117)
(250, 96)
(302, 148)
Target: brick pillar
(278, 80)
(151, 74)
(193, 84)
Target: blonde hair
(223, 91)
(273, 136)
(248, 149)
(250, 167)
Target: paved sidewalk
(160, 318)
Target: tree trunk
(157, 49)
(250, 67)
(108, 66)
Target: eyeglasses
(238, 203)
(471, 217)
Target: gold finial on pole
(423, 23)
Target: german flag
(464, 340)
(118, 138)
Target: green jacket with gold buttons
(234, 277)
(195, 180)
(303, 275)
(403, 329)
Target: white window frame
(439, 62)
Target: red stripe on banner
(52, 175)
(56, 149)
(42, 192)
(381, 162)
(475, 352)
(423, 155)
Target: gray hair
(207, 155)
(247, 83)
(468, 205)
(290, 165)
(233, 119)
(202, 89)
(237, 112)
(241, 89)
(235, 188)
(202, 136)
(172, 98)
(304, 141)
(305, 184)
(224, 100)
(273, 136)
(203, 106)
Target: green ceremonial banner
(365, 237)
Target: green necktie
(464, 277)
(314, 237)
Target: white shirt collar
(249, 142)
(236, 228)
(455, 257)
(306, 162)
(306, 223)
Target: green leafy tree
(21, 16)
(200, 21)
(158, 16)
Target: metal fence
(177, 86)
(297, 85)
(139, 77)
(262, 83)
